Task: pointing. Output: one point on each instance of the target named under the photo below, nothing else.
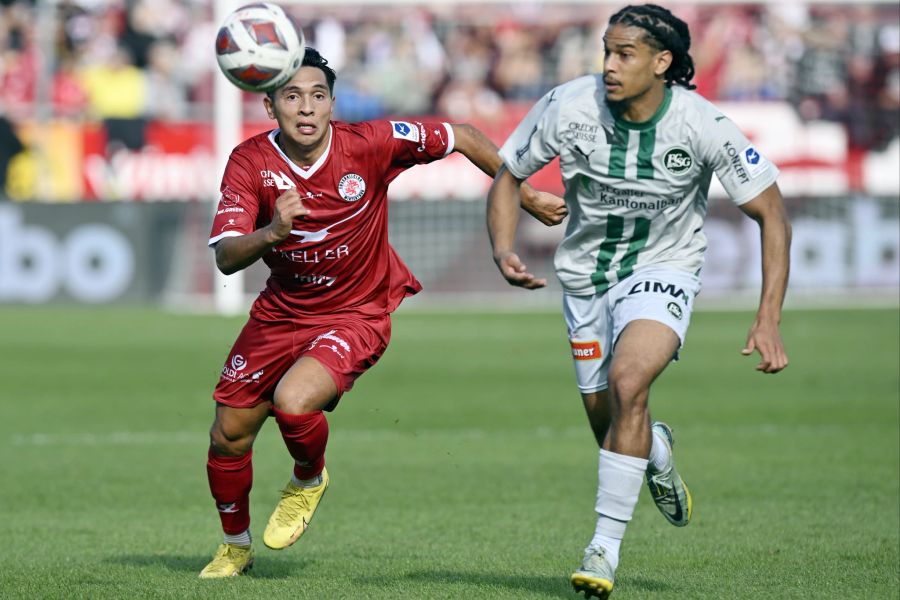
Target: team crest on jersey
(677, 161)
(352, 187)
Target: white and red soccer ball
(259, 48)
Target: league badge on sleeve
(405, 131)
(754, 162)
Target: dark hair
(312, 58)
(665, 31)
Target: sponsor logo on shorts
(233, 371)
(658, 287)
(352, 187)
(675, 310)
(586, 350)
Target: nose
(305, 106)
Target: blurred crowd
(125, 60)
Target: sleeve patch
(754, 163)
(403, 130)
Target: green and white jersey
(636, 192)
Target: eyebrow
(316, 87)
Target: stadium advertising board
(73, 162)
(149, 252)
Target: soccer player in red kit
(310, 199)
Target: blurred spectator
(10, 145)
(837, 62)
(117, 93)
(167, 91)
(519, 71)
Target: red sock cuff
(229, 463)
(300, 422)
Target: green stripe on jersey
(645, 153)
(615, 229)
(617, 152)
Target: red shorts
(263, 353)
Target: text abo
(92, 263)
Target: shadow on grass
(644, 585)
(556, 587)
(550, 586)
(270, 568)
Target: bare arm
(502, 218)
(481, 152)
(764, 336)
(236, 253)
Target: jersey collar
(652, 121)
(303, 173)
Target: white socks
(307, 483)
(620, 478)
(660, 454)
(241, 539)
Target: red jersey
(337, 259)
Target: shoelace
(289, 512)
(223, 559)
(663, 489)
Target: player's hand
(288, 206)
(516, 273)
(543, 206)
(765, 338)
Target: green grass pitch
(462, 465)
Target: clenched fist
(288, 206)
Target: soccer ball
(258, 47)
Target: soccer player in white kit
(637, 152)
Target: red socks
(230, 480)
(305, 437)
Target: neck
(642, 107)
(301, 155)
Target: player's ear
(661, 62)
(269, 105)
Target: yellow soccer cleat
(229, 561)
(293, 514)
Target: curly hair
(665, 31)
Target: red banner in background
(176, 161)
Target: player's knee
(295, 400)
(629, 390)
(225, 442)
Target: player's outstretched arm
(502, 218)
(236, 253)
(481, 152)
(767, 210)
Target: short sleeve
(742, 170)
(535, 141)
(238, 203)
(402, 144)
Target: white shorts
(595, 322)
